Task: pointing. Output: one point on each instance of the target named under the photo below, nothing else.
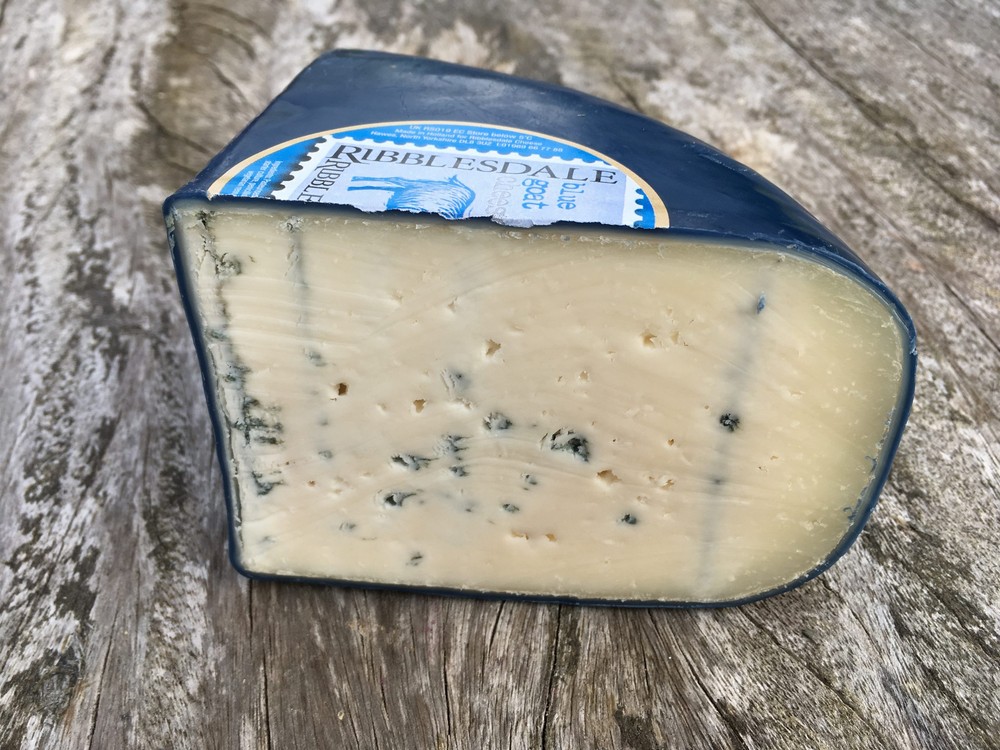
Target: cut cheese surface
(578, 412)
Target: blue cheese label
(452, 169)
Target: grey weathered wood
(122, 623)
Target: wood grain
(123, 625)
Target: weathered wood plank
(124, 625)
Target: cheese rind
(570, 412)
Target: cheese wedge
(617, 409)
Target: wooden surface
(122, 624)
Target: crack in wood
(550, 691)
(92, 89)
(234, 16)
(824, 679)
(987, 732)
(903, 31)
(733, 727)
(232, 38)
(165, 132)
(375, 673)
(823, 580)
(974, 639)
(866, 110)
(626, 91)
(493, 629)
(973, 316)
(100, 682)
(227, 83)
(267, 699)
(447, 692)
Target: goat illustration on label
(449, 198)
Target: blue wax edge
(770, 218)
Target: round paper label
(457, 170)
